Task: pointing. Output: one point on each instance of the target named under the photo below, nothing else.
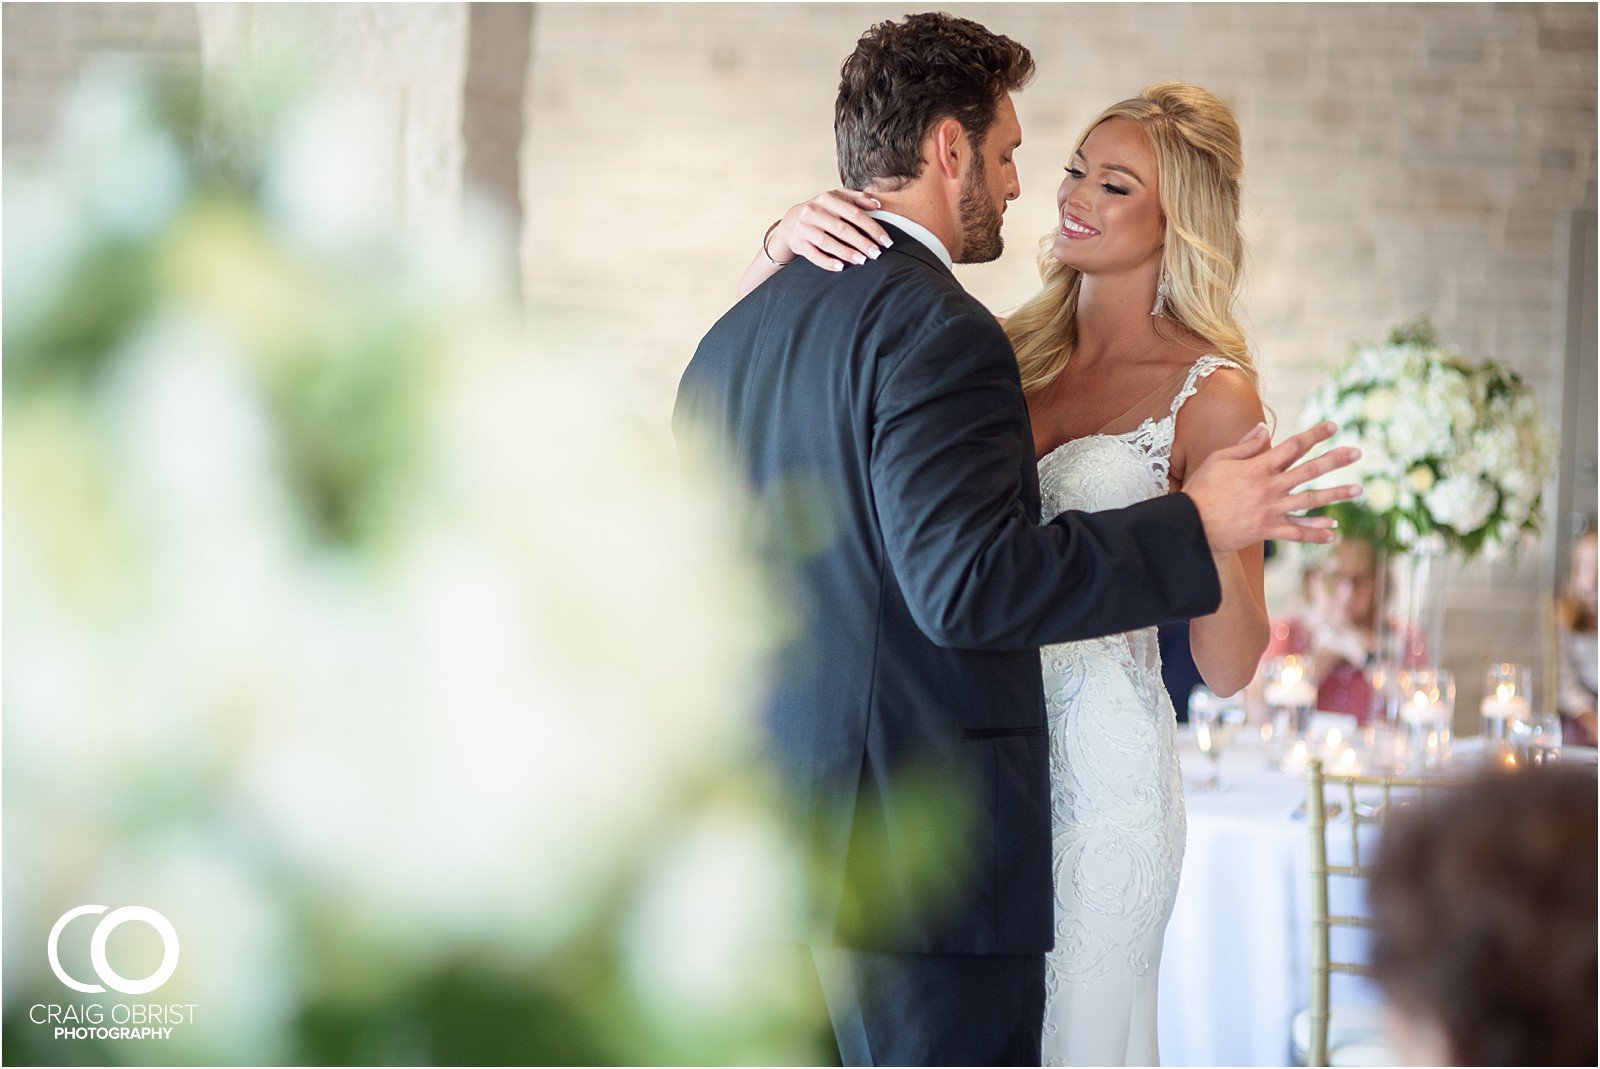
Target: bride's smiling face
(1109, 206)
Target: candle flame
(1505, 692)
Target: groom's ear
(950, 147)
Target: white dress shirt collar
(918, 231)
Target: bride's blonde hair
(1198, 164)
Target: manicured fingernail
(836, 266)
(874, 253)
(876, 203)
(886, 240)
(858, 258)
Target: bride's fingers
(847, 221)
(825, 250)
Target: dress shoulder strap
(1191, 385)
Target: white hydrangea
(1463, 502)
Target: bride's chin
(1063, 257)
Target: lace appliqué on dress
(1116, 790)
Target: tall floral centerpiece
(1454, 458)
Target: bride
(1134, 369)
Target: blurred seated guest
(1338, 629)
(1484, 901)
(1575, 619)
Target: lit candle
(1332, 743)
(1291, 687)
(1505, 704)
(1423, 708)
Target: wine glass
(1215, 721)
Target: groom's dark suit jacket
(877, 415)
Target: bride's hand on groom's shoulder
(1249, 492)
(832, 230)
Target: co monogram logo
(97, 949)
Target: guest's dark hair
(1484, 899)
(904, 77)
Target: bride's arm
(831, 230)
(1228, 644)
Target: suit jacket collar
(910, 246)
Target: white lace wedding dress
(1116, 794)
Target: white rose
(1379, 405)
(1380, 494)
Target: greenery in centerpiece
(1454, 453)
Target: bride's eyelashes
(1107, 186)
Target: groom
(878, 416)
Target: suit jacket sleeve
(950, 442)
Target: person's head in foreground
(1484, 897)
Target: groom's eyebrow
(1112, 167)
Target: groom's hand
(1247, 492)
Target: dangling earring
(1161, 295)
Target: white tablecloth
(1234, 970)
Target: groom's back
(785, 386)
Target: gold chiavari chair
(1359, 1027)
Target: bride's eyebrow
(1078, 155)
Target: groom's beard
(980, 219)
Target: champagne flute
(1215, 721)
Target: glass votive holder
(1507, 699)
(1381, 747)
(1290, 692)
(1536, 741)
(1427, 712)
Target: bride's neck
(1114, 316)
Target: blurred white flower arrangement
(383, 651)
(1454, 452)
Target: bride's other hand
(831, 230)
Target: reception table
(1235, 967)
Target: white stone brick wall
(405, 62)
(46, 47)
(1400, 159)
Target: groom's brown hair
(904, 77)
